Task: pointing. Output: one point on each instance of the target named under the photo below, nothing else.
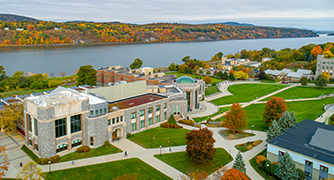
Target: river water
(70, 58)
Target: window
(142, 124)
(92, 113)
(100, 111)
(91, 140)
(141, 113)
(61, 129)
(157, 108)
(157, 118)
(35, 127)
(96, 112)
(30, 142)
(133, 126)
(165, 105)
(150, 110)
(61, 147)
(121, 118)
(133, 115)
(76, 143)
(117, 120)
(105, 110)
(308, 174)
(150, 121)
(280, 154)
(113, 120)
(165, 115)
(29, 122)
(308, 163)
(109, 122)
(323, 168)
(36, 147)
(75, 123)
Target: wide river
(70, 58)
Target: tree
(11, 116)
(286, 168)
(201, 71)
(207, 80)
(283, 121)
(208, 73)
(321, 81)
(292, 120)
(200, 145)
(239, 163)
(182, 68)
(241, 75)
(30, 171)
(51, 74)
(172, 67)
(273, 110)
(233, 174)
(2, 73)
(225, 75)
(63, 74)
(137, 63)
(231, 77)
(186, 59)
(303, 81)
(4, 161)
(86, 75)
(326, 75)
(207, 66)
(215, 73)
(274, 130)
(194, 71)
(220, 74)
(195, 175)
(262, 75)
(235, 119)
(171, 119)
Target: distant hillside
(236, 24)
(15, 18)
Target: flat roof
(135, 101)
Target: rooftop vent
(114, 108)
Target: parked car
(285, 82)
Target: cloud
(134, 11)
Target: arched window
(76, 142)
(61, 147)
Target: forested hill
(46, 33)
(15, 18)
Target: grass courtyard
(302, 109)
(211, 90)
(214, 80)
(109, 170)
(303, 92)
(247, 92)
(153, 138)
(182, 162)
(221, 110)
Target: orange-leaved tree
(236, 119)
(233, 174)
(207, 80)
(200, 145)
(4, 161)
(326, 75)
(273, 110)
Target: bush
(260, 159)
(29, 153)
(275, 163)
(198, 125)
(249, 147)
(83, 149)
(213, 84)
(169, 125)
(106, 144)
(54, 159)
(256, 143)
(272, 169)
(269, 78)
(187, 122)
(301, 174)
(171, 119)
(43, 161)
(129, 135)
(242, 148)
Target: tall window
(165, 115)
(165, 105)
(75, 123)
(142, 124)
(105, 110)
(150, 110)
(91, 140)
(142, 113)
(157, 108)
(92, 113)
(60, 127)
(36, 147)
(133, 126)
(35, 127)
(100, 111)
(61, 147)
(96, 112)
(121, 118)
(157, 118)
(150, 121)
(109, 122)
(117, 119)
(113, 120)
(280, 154)
(29, 122)
(133, 115)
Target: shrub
(187, 122)
(86, 148)
(198, 125)
(260, 159)
(129, 135)
(301, 174)
(43, 161)
(54, 159)
(106, 144)
(169, 125)
(242, 148)
(213, 84)
(256, 143)
(272, 169)
(171, 119)
(249, 147)
(275, 163)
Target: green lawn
(161, 137)
(109, 170)
(100, 151)
(182, 162)
(247, 92)
(221, 110)
(214, 80)
(303, 92)
(302, 109)
(211, 90)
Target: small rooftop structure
(10, 100)
(55, 98)
(185, 80)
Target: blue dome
(185, 79)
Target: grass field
(182, 162)
(109, 170)
(162, 136)
(303, 92)
(100, 151)
(211, 90)
(221, 110)
(302, 109)
(214, 80)
(247, 92)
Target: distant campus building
(65, 118)
(311, 146)
(289, 75)
(325, 65)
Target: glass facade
(75, 123)
(61, 129)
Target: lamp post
(267, 169)
(49, 166)
(160, 150)
(252, 128)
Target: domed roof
(185, 79)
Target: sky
(306, 14)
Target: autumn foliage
(200, 145)
(273, 110)
(4, 161)
(233, 174)
(236, 119)
(207, 80)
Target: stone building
(325, 65)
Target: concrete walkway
(207, 108)
(324, 117)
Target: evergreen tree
(283, 121)
(225, 75)
(286, 168)
(274, 130)
(321, 81)
(220, 74)
(232, 78)
(310, 58)
(292, 120)
(239, 163)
